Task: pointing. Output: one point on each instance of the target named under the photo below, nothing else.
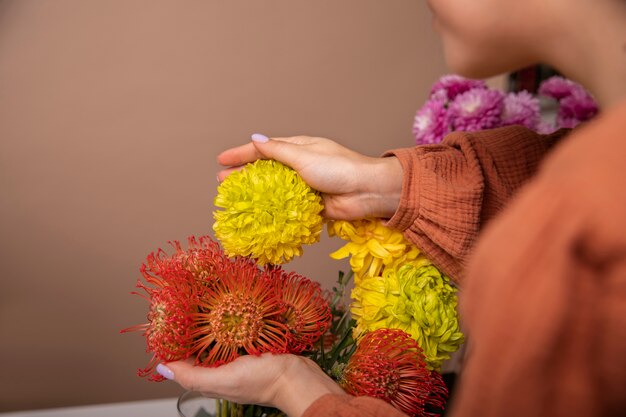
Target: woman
(543, 270)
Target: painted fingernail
(164, 371)
(257, 137)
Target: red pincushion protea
(168, 331)
(239, 314)
(174, 282)
(202, 260)
(306, 310)
(388, 364)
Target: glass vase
(194, 404)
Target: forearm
(348, 406)
(381, 187)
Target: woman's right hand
(353, 185)
(288, 382)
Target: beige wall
(111, 115)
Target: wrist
(303, 383)
(384, 187)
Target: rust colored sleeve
(333, 405)
(451, 190)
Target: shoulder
(552, 267)
(575, 207)
(588, 172)
(591, 165)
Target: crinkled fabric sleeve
(334, 405)
(451, 190)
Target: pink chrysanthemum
(575, 104)
(546, 127)
(450, 86)
(521, 109)
(239, 313)
(430, 123)
(476, 109)
(576, 108)
(557, 87)
(388, 364)
(306, 311)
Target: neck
(591, 49)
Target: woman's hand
(353, 186)
(287, 382)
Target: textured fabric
(450, 191)
(544, 298)
(333, 405)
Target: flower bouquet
(213, 303)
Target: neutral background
(111, 115)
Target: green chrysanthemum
(268, 213)
(415, 298)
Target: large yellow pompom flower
(268, 213)
(416, 298)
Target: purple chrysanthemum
(521, 109)
(578, 107)
(461, 104)
(429, 125)
(557, 87)
(450, 86)
(546, 127)
(476, 109)
(575, 103)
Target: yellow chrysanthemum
(372, 246)
(268, 213)
(414, 297)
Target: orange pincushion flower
(168, 331)
(172, 289)
(239, 313)
(214, 308)
(306, 310)
(203, 259)
(388, 364)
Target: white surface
(153, 408)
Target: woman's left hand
(288, 382)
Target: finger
(226, 172)
(240, 155)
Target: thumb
(225, 381)
(185, 374)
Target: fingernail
(165, 371)
(257, 137)
(217, 177)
